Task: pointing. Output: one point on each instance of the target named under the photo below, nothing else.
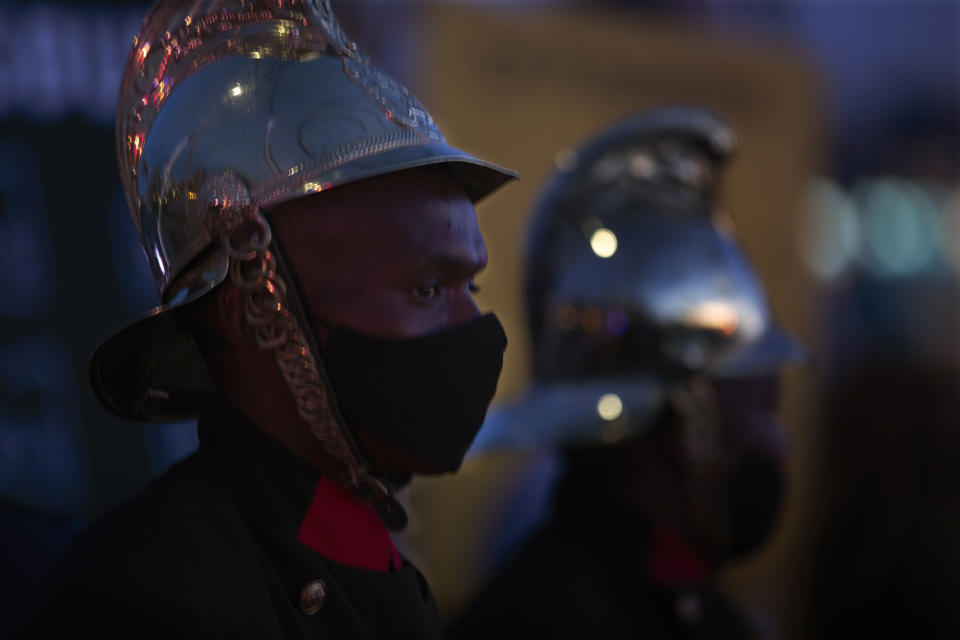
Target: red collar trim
(674, 561)
(345, 530)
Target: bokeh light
(609, 406)
(617, 322)
(829, 229)
(603, 242)
(950, 238)
(591, 320)
(901, 227)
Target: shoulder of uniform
(153, 554)
(179, 511)
(87, 605)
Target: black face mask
(425, 396)
(756, 488)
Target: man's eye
(428, 291)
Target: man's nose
(464, 309)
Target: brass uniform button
(688, 608)
(312, 596)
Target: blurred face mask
(424, 397)
(737, 474)
(755, 495)
(755, 480)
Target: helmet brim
(574, 413)
(478, 177)
(149, 370)
(599, 412)
(768, 355)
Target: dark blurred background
(845, 195)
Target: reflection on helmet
(634, 285)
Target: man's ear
(322, 334)
(219, 318)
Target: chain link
(704, 457)
(253, 270)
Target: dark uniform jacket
(597, 571)
(241, 540)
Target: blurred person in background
(314, 243)
(656, 368)
(884, 558)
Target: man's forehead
(421, 218)
(443, 237)
(412, 216)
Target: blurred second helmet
(634, 285)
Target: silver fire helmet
(228, 108)
(634, 286)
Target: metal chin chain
(703, 454)
(246, 236)
(694, 401)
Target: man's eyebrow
(453, 263)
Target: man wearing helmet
(655, 374)
(314, 243)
